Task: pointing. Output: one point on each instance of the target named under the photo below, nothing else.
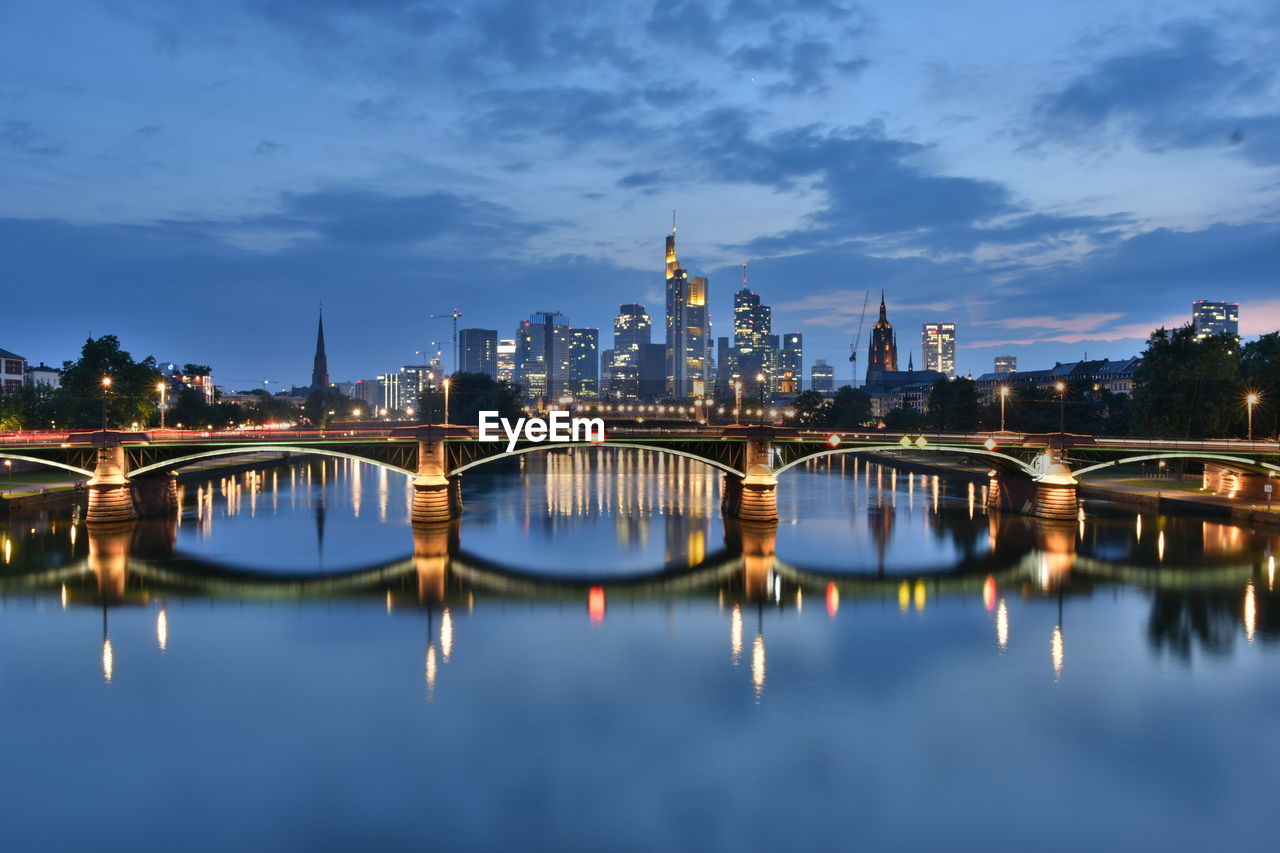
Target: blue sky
(1058, 180)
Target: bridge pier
(437, 497)
(758, 543)
(753, 497)
(1246, 486)
(110, 492)
(1054, 495)
(155, 495)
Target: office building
(584, 363)
(686, 328)
(1216, 318)
(478, 351)
(938, 342)
(653, 373)
(822, 377)
(542, 356)
(632, 329)
(791, 363)
(506, 360)
(1006, 364)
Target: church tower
(883, 354)
(320, 367)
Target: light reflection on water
(294, 652)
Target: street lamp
(1062, 416)
(160, 386)
(737, 397)
(760, 385)
(447, 383)
(106, 386)
(8, 467)
(1004, 395)
(1251, 400)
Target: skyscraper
(755, 345)
(506, 360)
(320, 365)
(791, 363)
(1006, 364)
(1216, 318)
(822, 376)
(938, 343)
(686, 328)
(478, 351)
(584, 363)
(882, 354)
(542, 356)
(632, 329)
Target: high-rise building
(320, 364)
(506, 360)
(478, 351)
(791, 363)
(584, 363)
(653, 372)
(882, 355)
(756, 347)
(1216, 318)
(632, 329)
(369, 391)
(542, 356)
(822, 376)
(416, 380)
(938, 342)
(686, 328)
(1006, 364)
(391, 399)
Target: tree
(190, 369)
(904, 420)
(1187, 388)
(130, 398)
(812, 409)
(1260, 374)
(470, 394)
(323, 405)
(265, 409)
(953, 406)
(850, 408)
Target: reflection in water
(162, 629)
(446, 635)
(1002, 625)
(1055, 650)
(735, 634)
(757, 666)
(1250, 612)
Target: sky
(1057, 179)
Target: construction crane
(857, 341)
(454, 315)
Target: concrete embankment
(1151, 499)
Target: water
(593, 659)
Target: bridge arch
(1250, 465)
(183, 461)
(1004, 459)
(17, 457)
(671, 451)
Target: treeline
(1184, 388)
(132, 397)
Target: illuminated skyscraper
(632, 330)
(1216, 318)
(506, 360)
(686, 328)
(542, 356)
(882, 355)
(584, 363)
(822, 376)
(938, 341)
(791, 363)
(1006, 364)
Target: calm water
(594, 660)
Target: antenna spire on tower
(744, 276)
(673, 220)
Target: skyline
(1121, 158)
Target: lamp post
(447, 382)
(8, 467)
(737, 397)
(760, 387)
(1251, 400)
(106, 386)
(1062, 416)
(161, 387)
(1004, 395)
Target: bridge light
(990, 444)
(595, 604)
(921, 442)
(905, 441)
(833, 599)
(833, 440)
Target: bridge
(131, 474)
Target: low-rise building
(13, 370)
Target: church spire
(883, 317)
(320, 367)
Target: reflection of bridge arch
(182, 461)
(17, 457)
(1002, 460)
(1251, 465)
(652, 448)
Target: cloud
(266, 146)
(1186, 91)
(23, 137)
